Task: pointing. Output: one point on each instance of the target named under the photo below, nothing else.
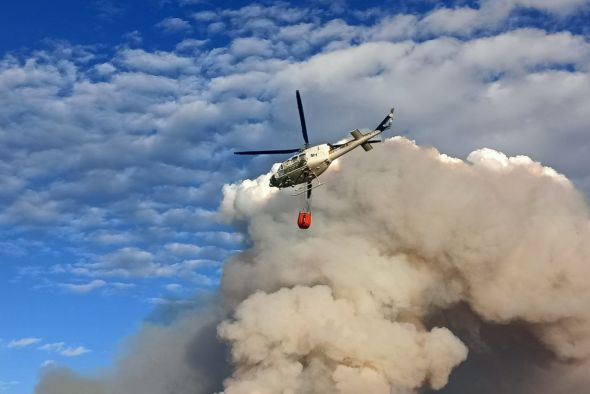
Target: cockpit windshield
(291, 163)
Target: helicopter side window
(289, 162)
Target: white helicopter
(311, 161)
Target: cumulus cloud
(183, 249)
(205, 15)
(488, 15)
(83, 288)
(155, 62)
(127, 262)
(174, 25)
(242, 47)
(74, 352)
(190, 44)
(64, 350)
(23, 342)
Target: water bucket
(304, 219)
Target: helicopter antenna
(302, 118)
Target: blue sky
(118, 119)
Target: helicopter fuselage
(312, 161)
(307, 164)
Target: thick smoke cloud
(413, 258)
(399, 235)
(306, 340)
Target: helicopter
(311, 161)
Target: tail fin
(387, 122)
(384, 125)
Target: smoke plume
(418, 268)
(400, 235)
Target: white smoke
(399, 234)
(276, 332)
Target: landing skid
(303, 188)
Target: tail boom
(364, 140)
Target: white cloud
(134, 37)
(105, 68)
(23, 342)
(446, 20)
(32, 209)
(221, 237)
(129, 262)
(83, 288)
(74, 352)
(52, 347)
(174, 25)
(48, 363)
(155, 62)
(205, 16)
(113, 239)
(190, 44)
(216, 27)
(183, 249)
(281, 12)
(560, 7)
(62, 349)
(489, 15)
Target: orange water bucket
(304, 219)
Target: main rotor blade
(302, 118)
(309, 187)
(267, 152)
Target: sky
(118, 120)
